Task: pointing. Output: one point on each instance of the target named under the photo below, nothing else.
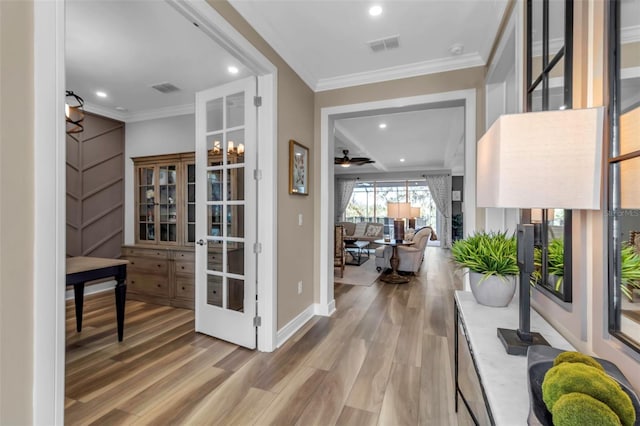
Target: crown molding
(150, 114)
(153, 114)
(401, 71)
(105, 112)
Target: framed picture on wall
(455, 196)
(298, 168)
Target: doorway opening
(329, 116)
(49, 258)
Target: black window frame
(613, 174)
(533, 83)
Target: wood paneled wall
(95, 188)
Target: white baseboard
(92, 289)
(303, 317)
(294, 325)
(327, 310)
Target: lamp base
(515, 345)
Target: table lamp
(398, 211)
(541, 160)
(415, 213)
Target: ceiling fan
(346, 161)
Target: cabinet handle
(182, 267)
(159, 266)
(133, 281)
(158, 285)
(183, 288)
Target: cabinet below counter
(161, 275)
(491, 384)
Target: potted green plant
(491, 258)
(630, 270)
(555, 263)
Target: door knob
(201, 242)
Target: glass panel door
(225, 213)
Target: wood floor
(385, 357)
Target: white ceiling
(125, 47)
(325, 41)
(431, 138)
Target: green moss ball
(578, 409)
(571, 377)
(571, 356)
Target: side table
(394, 277)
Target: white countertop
(504, 377)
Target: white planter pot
(493, 291)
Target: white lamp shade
(630, 169)
(415, 212)
(550, 159)
(398, 210)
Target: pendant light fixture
(74, 112)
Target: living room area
(377, 219)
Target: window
(549, 86)
(369, 201)
(624, 169)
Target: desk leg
(78, 291)
(121, 295)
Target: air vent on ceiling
(165, 88)
(384, 43)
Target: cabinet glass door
(168, 208)
(146, 206)
(190, 236)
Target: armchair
(411, 257)
(339, 250)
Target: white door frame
(496, 100)
(327, 217)
(49, 199)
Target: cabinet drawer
(145, 265)
(184, 267)
(185, 288)
(144, 252)
(148, 284)
(214, 259)
(187, 256)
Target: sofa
(363, 231)
(411, 257)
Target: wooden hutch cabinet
(162, 268)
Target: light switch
(299, 219)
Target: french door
(226, 212)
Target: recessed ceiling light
(402, 160)
(101, 94)
(382, 125)
(233, 70)
(375, 10)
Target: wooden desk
(82, 269)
